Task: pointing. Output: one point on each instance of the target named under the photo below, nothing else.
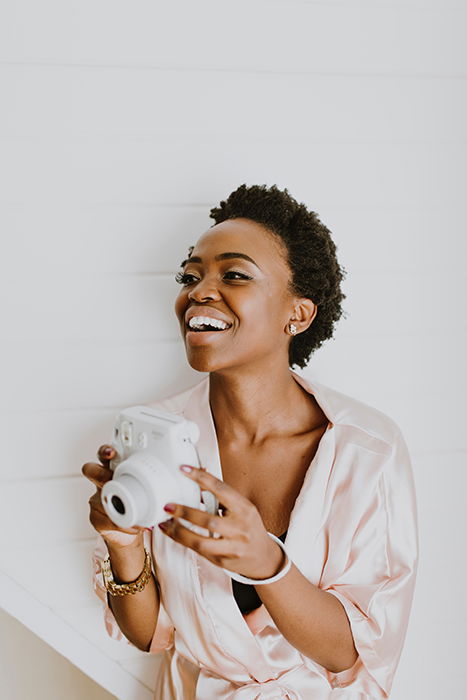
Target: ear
(304, 311)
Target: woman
(290, 461)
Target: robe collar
(197, 409)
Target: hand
(99, 474)
(244, 545)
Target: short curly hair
(316, 273)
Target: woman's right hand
(99, 474)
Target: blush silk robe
(353, 532)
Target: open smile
(200, 336)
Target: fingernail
(108, 451)
(186, 468)
(165, 524)
(169, 507)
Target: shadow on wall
(48, 676)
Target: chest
(271, 476)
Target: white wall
(122, 124)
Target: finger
(103, 524)
(209, 547)
(105, 453)
(211, 522)
(96, 505)
(96, 473)
(226, 494)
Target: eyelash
(182, 277)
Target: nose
(203, 290)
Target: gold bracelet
(118, 589)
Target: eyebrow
(221, 256)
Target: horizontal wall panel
(79, 242)
(65, 308)
(144, 172)
(441, 641)
(400, 303)
(77, 375)
(404, 375)
(36, 568)
(317, 37)
(441, 480)
(426, 240)
(160, 105)
(36, 510)
(63, 441)
(46, 512)
(415, 381)
(420, 5)
(71, 562)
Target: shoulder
(358, 422)
(176, 403)
(370, 452)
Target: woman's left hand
(244, 545)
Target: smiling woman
(305, 582)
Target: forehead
(244, 236)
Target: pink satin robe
(353, 532)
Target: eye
(183, 277)
(242, 275)
(187, 278)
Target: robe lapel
(236, 632)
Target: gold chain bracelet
(118, 589)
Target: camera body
(151, 445)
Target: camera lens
(118, 505)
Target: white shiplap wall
(121, 125)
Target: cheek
(180, 303)
(260, 315)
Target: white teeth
(197, 321)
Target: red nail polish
(186, 468)
(163, 526)
(170, 507)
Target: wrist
(275, 561)
(137, 544)
(283, 569)
(127, 562)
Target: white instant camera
(151, 445)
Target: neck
(250, 405)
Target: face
(248, 293)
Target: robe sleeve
(163, 634)
(376, 583)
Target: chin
(202, 359)
(203, 364)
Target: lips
(207, 323)
(195, 337)
(207, 312)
